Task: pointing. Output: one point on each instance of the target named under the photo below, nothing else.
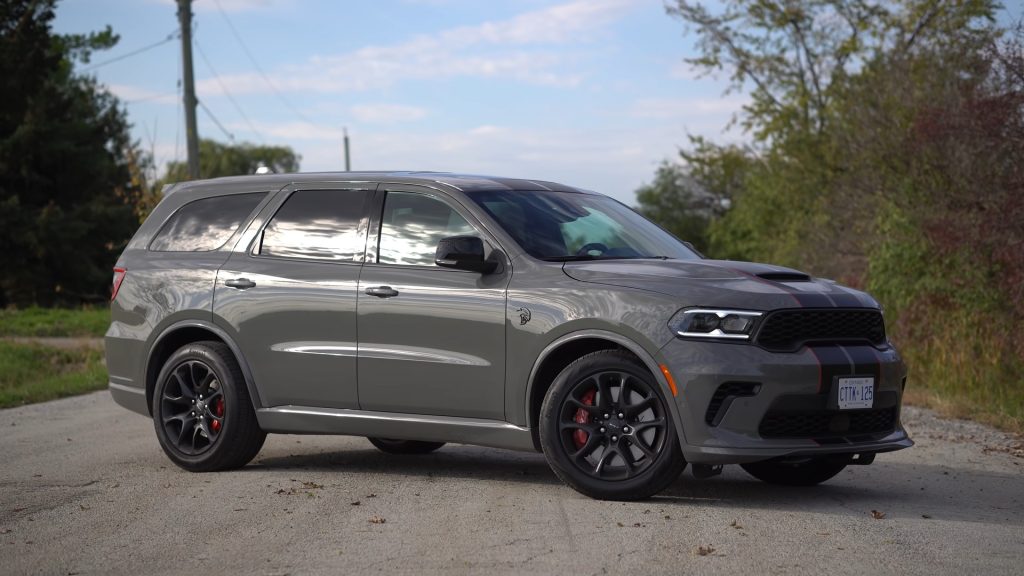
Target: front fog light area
(710, 323)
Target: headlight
(709, 323)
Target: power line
(227, 93)
(259, 68)
(170, 37)
(215, 121)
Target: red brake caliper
(582, 417)
(218, 411)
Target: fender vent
(724, 396)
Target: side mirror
(463, 253)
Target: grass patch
(967, 370)
(34, 373)
(55, 322)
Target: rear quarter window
(205, 225)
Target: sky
(591, 93)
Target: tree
(216, 159)
(64, 181)
(687, 197)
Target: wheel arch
(570, 347)
(186, 332)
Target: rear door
(431, 339)
(289, 295)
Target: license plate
(855, 393)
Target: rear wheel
(202, 411)
(404, 446)
(606, 430)
(807, 473)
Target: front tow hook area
(704, 471)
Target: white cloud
(519, 48)
(132, 94)
(686, 107)
(386, 113)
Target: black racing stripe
(844, 299)
(834, 362)
(865, 362)
(808, 299)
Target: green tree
(65, 187)
(217, 159)
(687, 197)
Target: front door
(431, 339)
(289, 295)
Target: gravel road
(86, 490)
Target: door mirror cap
(463, 253)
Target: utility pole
(191, 134)
(348, 165)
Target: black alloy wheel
(192, 407)
(607, 430)
(202, 410)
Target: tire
(809, 473)
(591, 447)
(226, 435)
(404, 446)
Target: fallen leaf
(877, 515)
(667, 517)
(736, 524)
(313, 485)
(371, 495)
(356, 503)
(620, 524)
(377, 520)
(704, 550)
(637, 525)
(83, 506)
(926, 516)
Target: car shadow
(897, 489)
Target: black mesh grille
(727, 390)
(825, 424)
(787, 330)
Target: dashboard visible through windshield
(567, 226)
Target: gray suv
(420, 308)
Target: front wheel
(807, 473)
(606, 430)
(202, 411)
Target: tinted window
(319, 224)
(205, 224)
(413, 224)
(564, 226)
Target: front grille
(826, 424)
(787, 330)
(722, 397)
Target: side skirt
(342, 421)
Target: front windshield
(564, 226)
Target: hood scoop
(785, 276)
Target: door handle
(382, 292)
(240, 283)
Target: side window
(317, 224)
(205, 225)
(412, 225)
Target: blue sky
(592, 93)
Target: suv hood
(721, 283)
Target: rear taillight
(116, 285)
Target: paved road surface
(84, 489)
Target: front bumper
(740, 403)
